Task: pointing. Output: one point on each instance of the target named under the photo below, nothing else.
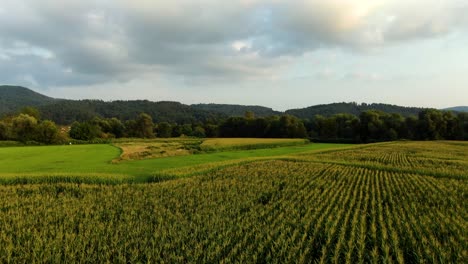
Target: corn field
(374, 204)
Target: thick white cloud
(94, 41)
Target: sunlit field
(104, 163)
(398, 202)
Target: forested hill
(61, 111)
(351, 108)
(237, 110)
(67, 111)
(458, 109)
(13, 98)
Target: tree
(329, 128)
(431, 124)
(116, 127)
(24, 127)
(233, 127)
(186, 129)
(249, 115)
(5, 131)
(211, 130)
(411, 127)
(176, 130)
(31, 111)
(144, 126)
(84, 131)
(451, 125)
(47, 132)
(164, 130)
(259, 127)
(372, 126)
(199, 132)
(462, 131)
(393, 126)
(291, 127)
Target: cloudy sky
(278, 53)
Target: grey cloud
(434, 19)
(70, 36)
(35, 71)
(98, 41)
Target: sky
(278, 53)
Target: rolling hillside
(237, 110)
(67, 111)
(351, 108)
(13, 98)
(61, 111)
(457, 109)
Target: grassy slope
(95, 159)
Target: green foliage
(164, 130)
(236, 110)
(285, 126)
(110, 127)
(27, 129)
(186, 129)
(31, 111)
(336, 123)
(355, 109)
(141, 127)
(431, 124)
(13, 98)
(24, 127)
(249, 115)
(462, 127)
(458, 109)
(68, 111)
(199, 131)
(144, 126)
(291, 127)
(211, 130)
(84, 131)
(4, 131)
(116, 127)
(47, 132)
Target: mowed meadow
(103, 163)
(395, 202)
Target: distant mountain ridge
(237, 110)
(12, 98)
(62, 111)
(67, 111)
(351, 108)
(457, 109)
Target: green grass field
(396, 202)
(93, 163)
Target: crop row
(432, 158)
(266, 211)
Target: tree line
(28, 126)
(374, 126)
(369, 126)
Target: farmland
(96, 163)
(136, 149)
(397, 202)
